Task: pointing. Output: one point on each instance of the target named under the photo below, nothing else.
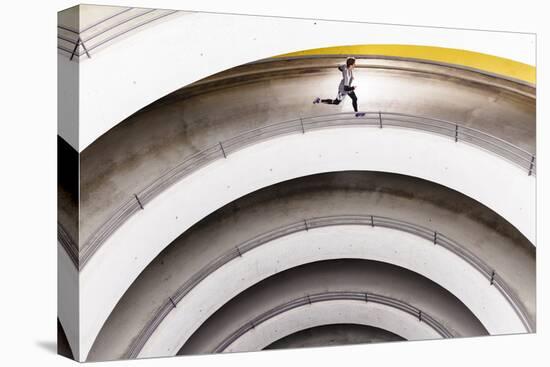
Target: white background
(28, 185)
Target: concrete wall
(333, 276)
(68, 306)
(68, 101)
(331, 312)
(336, 242)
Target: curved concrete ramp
(332, 312)
(165, 134)
(483, 232)
(346, 279)
(238, 173)
(332, 335)
(361, 242)
(220, 183)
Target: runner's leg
(353, 100)
(331, 101)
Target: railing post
(456, 133)
(435, 238)
(302, 124)
(419, 315)
(372, 221)
(79, 42)
(305, 223)
(75, 48)
(380, 118)
(223, 151)
(239, 251)
(85, 49)
(492, 277)
(172, 302)
(366, 297)
(139, 202)
(531, 165)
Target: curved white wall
(328, 313)
(353, 242)
(327, 194)
(469, 170)
(337, 276)
(67, 298)
(136, 70)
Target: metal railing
(223, 149)
(68, 244)
(336, 296)
(439, 239)
(82, 41)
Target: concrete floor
(333, 335)
(155, 139)
(479, 229)
(329, 276)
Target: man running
(345, 88)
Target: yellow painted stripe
(483, 62)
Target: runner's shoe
(316, 100)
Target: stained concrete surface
(333, 335)
(153, 140)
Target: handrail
(123, 32)
(83, 41)
(95, 24)
(437, 238)
(335, 296)
(224, 148)
(68, 244)
(118, 24)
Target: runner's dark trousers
(337, 101)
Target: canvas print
(236, 183)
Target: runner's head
(350, 62)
